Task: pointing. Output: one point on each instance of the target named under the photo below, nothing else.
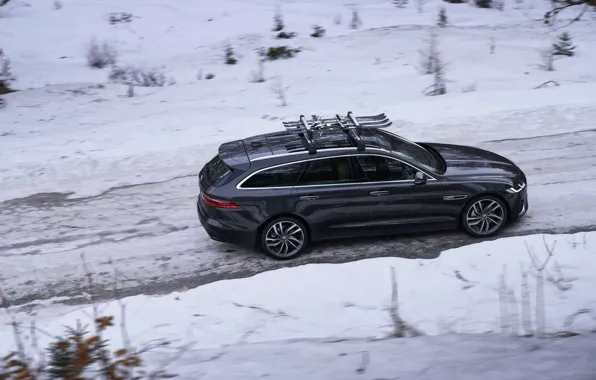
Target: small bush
(356, 21)
(318, 31)
(138, 77)
(484, 3)
(564, 46)
(101, 55)
(230, 58)
(120, 17)
(285, 35)
(209, 76)
(6, 76)
(455, 1)
(442, 19)
(280, 52)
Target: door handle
(309, 197)
(380, 192)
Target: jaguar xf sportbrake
(346, 176)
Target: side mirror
(420, 178)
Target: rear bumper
(221, 232)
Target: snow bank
(455, 293)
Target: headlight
(517, 188)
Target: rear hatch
(230, 162)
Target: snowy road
(151, 232)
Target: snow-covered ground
(316, 320)
(84, 169)
(71, 136)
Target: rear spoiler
(234, 155)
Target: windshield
(415, 153)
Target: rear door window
(281, 176)
(328, 171)
(217, 171)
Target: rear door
(397, 203)
(332, 198)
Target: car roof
(241, 153)
(281, 143)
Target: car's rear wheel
(284, 238)
(484, 216)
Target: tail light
(219, 203)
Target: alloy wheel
(485, 216)
(284, 239)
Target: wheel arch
(487, 193)
(282, 214)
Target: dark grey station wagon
(333, 178)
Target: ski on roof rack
(351, 125)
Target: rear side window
(217, 171)
(328, 171)
(281, 176)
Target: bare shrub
(280, 92)
(131, 91)
(141, 77)
(420, 5)
(538, 271)
(6, 75)
(258, 75)
(492, 45)
(442, 18)
(356, 21)
(432, 63)
(100, 55)
(428, 54)
(547, 58)
(79, 353)
(57, 5)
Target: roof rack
(351, 125)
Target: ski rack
(351, 125)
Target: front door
(331, 198)
(397, 203)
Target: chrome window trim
(239, 185)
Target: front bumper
(519, 205)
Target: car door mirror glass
(420, 178)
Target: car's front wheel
(284, 238)
(484, 216)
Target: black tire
(481, 214)
(289, 225)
